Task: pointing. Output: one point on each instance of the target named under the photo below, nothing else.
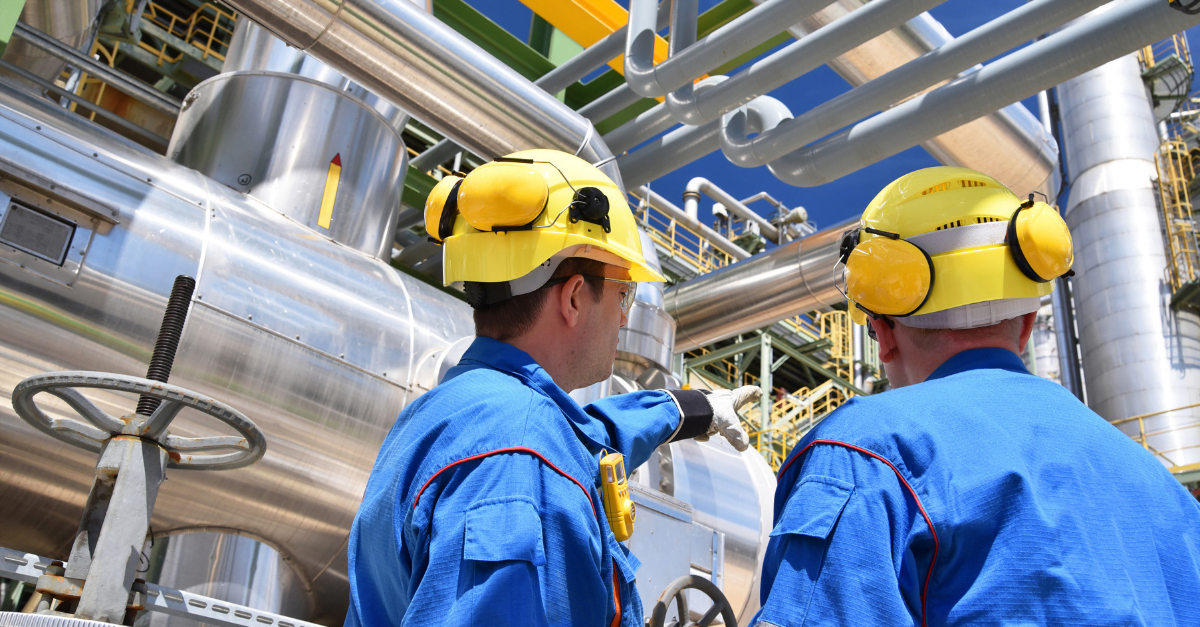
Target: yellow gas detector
(614, 489)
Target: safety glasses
(626, 299)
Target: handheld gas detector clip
(614, 489)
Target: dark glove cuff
(696, 414)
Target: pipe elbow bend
(760, 115)
(798, 168)
(684, 104)
(640, 72)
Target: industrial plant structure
(279, 152)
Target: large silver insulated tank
(1139, 356)
(320, 343)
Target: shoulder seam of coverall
(510, 449)
(911, 491)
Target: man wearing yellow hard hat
(487, 504)
(974, 493)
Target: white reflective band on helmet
(974, 315)
(536, 278)
(960, 237)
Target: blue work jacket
(482, 507)
(983, 496)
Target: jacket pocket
(814, 507)
(503, 529)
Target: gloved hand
(725, 405)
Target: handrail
(1143, 437)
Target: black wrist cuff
(697, 414)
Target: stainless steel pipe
(758, 292)
(1084, 45)
(700, 185)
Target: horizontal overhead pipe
(670, 152)
(695, 106)
(864, 24)
(410, 58)
(660, 203)
(552, 82)
(1123, 27)
(783, 282)
(701, 185)
(692, 61)
(983, 43)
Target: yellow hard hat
(953, 248)
(510, 216)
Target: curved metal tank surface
(253, 48)
(280, 138)
(316, 342)
(1009, 144)
(1139, 356)
(737, 501)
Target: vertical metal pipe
(1139, 355)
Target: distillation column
(1139, 356)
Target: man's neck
(553, 356)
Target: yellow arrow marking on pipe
(331, 187)
(589, 21)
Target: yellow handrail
(1174, 164)
(1143, 437)
(209, 28)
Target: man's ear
(569, 299)
(886, 336)
(1027, 322)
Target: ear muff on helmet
(441, 207)
(887, 275)
(1040, 242)
(503, 195)
(590, 204)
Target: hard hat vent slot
(967, 183)
(980, 220)
(950, 225)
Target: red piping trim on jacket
(616, 621)
(511, 449)
(928, 575)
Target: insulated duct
(1139, 355)
(758, 292)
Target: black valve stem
(168, 339)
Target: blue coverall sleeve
(838, 554)
(636, 423)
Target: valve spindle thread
(168, 339)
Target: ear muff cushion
(446, 222)
(442, 199)
(1040, 243)
(889, 277)
(502, 194)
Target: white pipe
(660, 203)
(724, 44)
(701, 185)
(1086, 44)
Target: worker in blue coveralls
(974, 493)
(483, 507)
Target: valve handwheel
(185, 453)
(677, 590)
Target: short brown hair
(514, 317)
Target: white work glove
(725, 405)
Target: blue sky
(826, 204)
